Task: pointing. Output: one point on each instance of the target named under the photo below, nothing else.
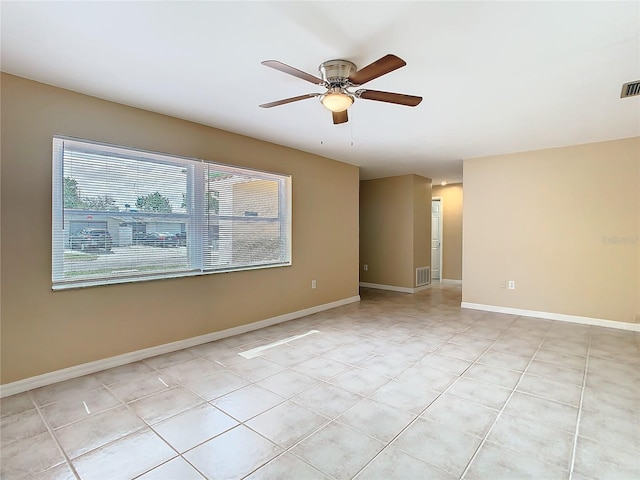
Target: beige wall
(421, 223)
(43, 331)
(395, 229)
(563, 223)
(451, 204)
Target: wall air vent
(423, 276)
(630, 89)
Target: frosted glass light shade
(337, 102)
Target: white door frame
(441, 236)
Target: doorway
(436, 239)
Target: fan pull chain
(351, 128)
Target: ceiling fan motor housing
(335, 73)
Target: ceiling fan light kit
(340, 75)
(336, 101)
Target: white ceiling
(496, 77)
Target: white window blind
(123, 215)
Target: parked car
(159, 239)
(182, 238)
(138, 238)
(91, 238)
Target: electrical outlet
(365, 267)
(512, 284)
(637, 318)
(313, 284)
(503, 285)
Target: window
(123, 215)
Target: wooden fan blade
(288, 100)
(398, 98)
(340, 117)
(292, 71)
(380, 67)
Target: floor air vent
(423, 276)
(630, 89)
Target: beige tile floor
(396, 386)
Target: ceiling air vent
(630, 89)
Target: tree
(101, 202)
(154, 202)
(72, 198)
(213, 201)
(71, 193)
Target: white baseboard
(393, 288)
(92, 367)
(451, 281)
(598, 322)
(423, 287)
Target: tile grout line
(289, 367)
(335, 419)
(54, 437)
(329, 420)
(287, 450)
(244, 422)
(364, 397)
(513, 391)
(418, 416)
(575, 437)
(209, 402)
(150, 427)
(251, 382)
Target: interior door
(436, 238)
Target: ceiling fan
(337, 76)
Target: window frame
(196, 192)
